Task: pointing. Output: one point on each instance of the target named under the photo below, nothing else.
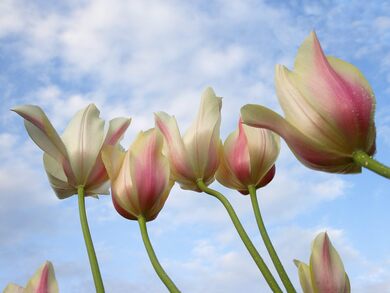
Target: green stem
(244, 236)
(368, 162)
(97, 278)
(153, 258)
(268, 244)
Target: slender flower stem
(97, 278)
(153, 258)
(244, 236)
(368, 162)
(268, 244)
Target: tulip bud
(196, 155)
(247, 158)
(140, 177)
(329, 108)
(326, 272)
(43, 281)
(74, 159)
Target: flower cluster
(329, 126)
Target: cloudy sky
(133, 58)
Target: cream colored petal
(57, 178)
(311, 153)
(182, 171)
(204, 133)
(42, 131)
(43, 280)
(13, 288)
(83, 139)
(327, 269)
(304, 276)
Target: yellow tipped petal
(13, 288)
(83, 139)
(43, 280)
(304, 276)
(113, 157)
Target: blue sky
(133, 58)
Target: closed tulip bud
(140, 177)
(329, 108)
(43, 281)
(196, 155)
(248, 158)
(74, 159)
(326, 272)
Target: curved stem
(268, 244)
(97, 278)
(244, 236)
(153, 258)
(368, 162)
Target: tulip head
(140, 177)
(329, 108)
(326, 272)
(74, 159)
(248, 158)
(196, 155)
(43, 281)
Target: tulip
(196, 155)
(329, 108)
(74, 160)
(247, 158)
(43, 281)
(140, 177)
(140, 185)
(326, 273)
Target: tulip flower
(196, 155)
(43, 281)
(326, 273)
(247, 158)
(140, 177)
(140, 185)
(329, 108)
(74, 160)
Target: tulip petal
(302, 112)
(263, 148)
(203, 136)
(44, 280)
(178, 156)
(327, 269)
(267, 178)
(311, 153)
(57, 177)
(149, 170)
(336, 87)
(98, 175)
(113, 157)
(13, 288)
(42, 131)
(83, 139)
(304, 276)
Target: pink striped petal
(327, 269)
(149, 170)
(44, 280)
